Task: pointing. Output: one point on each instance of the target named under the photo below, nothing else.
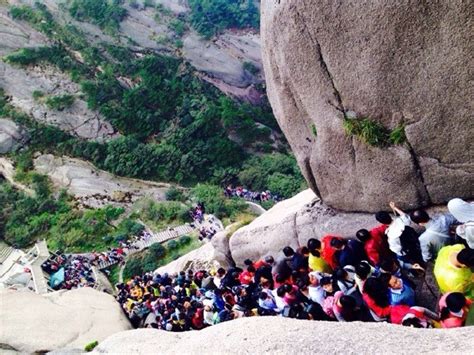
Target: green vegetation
(158, 255)
(37, 95)
(28, 218)
(398, 136)
(55, 55)
(277, 172)
(251, 68)
(159, 215)
(374, 133)
(175, 194)
(113, 273)
(314, 130)
(174, 126)
(215, 201)
(59, 102)
(178, 26)
(89, 347)
(107, 14)
(212, 16)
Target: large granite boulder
(396, 63)
(64, 319)
(278, 335)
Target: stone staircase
(5, 251)
(40, 254)
(160, 237)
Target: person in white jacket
(464, 212)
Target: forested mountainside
(165, 90)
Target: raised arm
(396, 209)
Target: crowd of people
(370, 277)
(68, 272)
(206, 230)
(248, 195)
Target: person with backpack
(452, 270)
(402, 239)
(436, 234)
(464, 212)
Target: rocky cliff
(375, 98)
(65, 319)
(277, 335)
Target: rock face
(399, 63)
(199, 259)
(224, 58)
(277, 335)
(64, 319)
(94, 187)
(292, 222)
(11, 136)
(17, 35)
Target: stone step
(5, 253)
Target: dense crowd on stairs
(249, 195)
(69, 271)
(374, 276)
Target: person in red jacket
(375, 244)
(327, 251)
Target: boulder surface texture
(397, 64)
(278, 335)
(65, 319)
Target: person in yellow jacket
(452, 270)
(315, 261)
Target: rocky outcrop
(277, 335)
(15, 35)
(93, 187)
(291, 223)
(399, 63)
(64, 319)
(12, 136)
(20, 84)
(223, 59)
(147, 29)
(201, 258)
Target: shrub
(251, 68)
(172, 245)
(174, 194)
(283, 185)
(185, 239)
(104, 13)
(37, 94)
(212, 16)
(59, 102)
(268, 204)
(133, 267)
(89, 347)
(398, 136)
(157, 250)
(374, 133)
(178, 26)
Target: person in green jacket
(452, 270)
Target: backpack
(411, 245)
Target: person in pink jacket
(454, 309)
